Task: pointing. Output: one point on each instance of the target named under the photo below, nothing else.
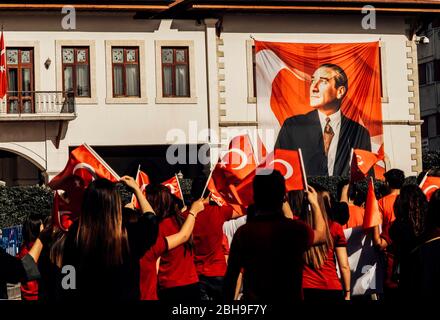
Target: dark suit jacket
(304, 131)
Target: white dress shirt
(335, 123)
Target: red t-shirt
(270, 252)
(209, 256)
(29, 290)
(386, 207)
(177, 265)
(326, 278)
(356, 216)
(148, 273)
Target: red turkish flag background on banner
(86, 165)
(174, 186)
(361, 163)
(3, 79)
(372, 216)
(143, 181)
(430, 185)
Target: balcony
(38, 106)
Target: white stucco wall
(148, 123)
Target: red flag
(372, 216)
(429, 185)
(215, 195)
(238, 163)
(86, 165)
(174, 186)
(288, 163)
(3, 79)
(239, 160)
(62, 212)
(143, 181)
(361, 163)
(261, 150)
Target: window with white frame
(175, 72)
(125, 67)
(76, 69)
(125, 71)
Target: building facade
(131, 80)
(429, 81)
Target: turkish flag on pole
(361, 163)
(3, 79)
(261, 153)
(85, 165)
(174, 186)
(214, 194)
(372, 216)
(63, 212)
(143, 181)
(288, 163)
(429, 185)
(239, 160)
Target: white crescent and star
(87, 167)
(359, 160)
(243, 158)
(287, 165)
(427, 189)
(171, 187)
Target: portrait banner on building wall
(322, 98)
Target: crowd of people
(290, 246)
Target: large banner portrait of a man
(324, 99)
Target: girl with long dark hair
(104, 250)
(166, 205)
(177, 274)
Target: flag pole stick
(178, 183)
(303, 169)
(207, 181)
(351, 160)
(424, 179)
(136, 179)
(306, 186)
(102, 161)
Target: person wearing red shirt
(32, 227)
(269, 248)
(163, 202)
(177, 275)
(355, 198)
(320, 279)
(394, 179)
(209, 256)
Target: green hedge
(16, 203)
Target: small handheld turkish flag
(143, 181)
(361, 163)
(429, 185)
(174, 186)
(86, 165)
(372, 216)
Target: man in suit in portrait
(324, 135)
